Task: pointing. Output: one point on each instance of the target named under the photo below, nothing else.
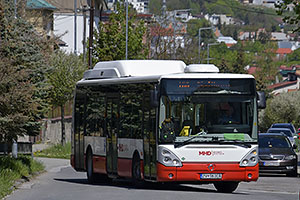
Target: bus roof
(127, 68)
(126, 71)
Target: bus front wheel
(226, 186)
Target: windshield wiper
(214, 140)
(236, 142)
(198, 135)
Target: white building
(216, 19)
(64, 28)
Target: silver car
(285, 131)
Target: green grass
(55, 151)
(12, 169)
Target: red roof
(252, 70)
(284, 67)
(283, 51)
(282, 84)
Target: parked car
(286, 131)
(277, 154)
(285, 125)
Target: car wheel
(226, 186)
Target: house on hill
(291, 80)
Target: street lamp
(199, 48)
(208, 45)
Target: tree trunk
(63, 134)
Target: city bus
(159, 121)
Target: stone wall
(51, 132)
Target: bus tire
(136, 171)
(89, 167)
(226, 186)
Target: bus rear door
(112, 123)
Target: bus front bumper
(207, 172)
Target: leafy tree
(292, 17)
(17, 110)
(27, 53)
(283, 108)
(65, 71)
(110, 41)
(264, 37)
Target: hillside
(252, 15)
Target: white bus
(163, 121)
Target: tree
(25, 53)
(17, 110)
(65, 71)
(110, 41)
(292, 17)
(283, 108)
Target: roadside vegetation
(12, 169)
(56, 151)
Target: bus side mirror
(261, 100)
(154, 98)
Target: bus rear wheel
(226, 186)
(136, 171)
(89, 167)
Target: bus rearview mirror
(261, 100)
(154, 98)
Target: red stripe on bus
(99, 164)
(124, 167)
(192, 171)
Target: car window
(283, 126)
(273, 142)
(287, 133)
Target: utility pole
(199, 48)
(75, 26)
(92, 8)
(126, 49)
(84, 33)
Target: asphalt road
(61, 182)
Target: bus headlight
(168, 158)
(251, 159)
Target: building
(229, 41)
(64, 22)
(141, 6)
(40, 14)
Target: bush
(283, 108)
(12, 169)
(56, 151)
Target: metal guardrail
(24, 148)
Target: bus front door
(112, 123)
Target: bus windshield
(220, 110)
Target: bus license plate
(271, 164)
(210, 176)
